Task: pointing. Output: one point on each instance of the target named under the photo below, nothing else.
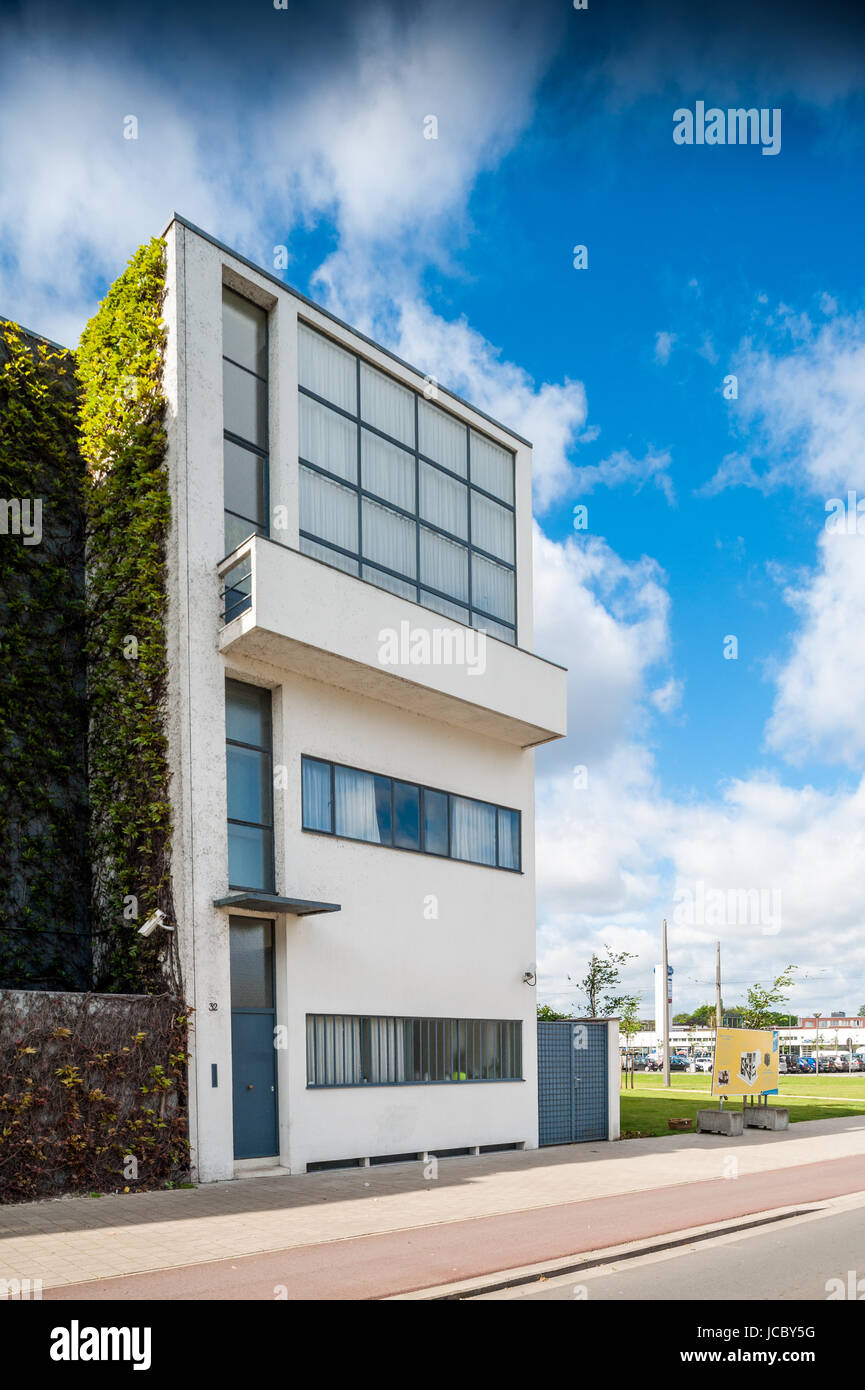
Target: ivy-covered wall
(44, 871)
(127, 508)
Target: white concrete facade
(416, 936)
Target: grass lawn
(646, 1109)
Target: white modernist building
(353, 708)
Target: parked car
(856, 1063)
(703, 1062)
(783, 1068)
(678, 1062)
(841, 1063)
(807, 1064)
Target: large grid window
(244, 395)
(357, 805)
(354, 1050)
(397, 491)
(248, 745)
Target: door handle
(250, 1088)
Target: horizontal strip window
(359, 1050)
(392, 481)
(352, 804)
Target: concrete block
(720, 1122)
(766, 1117)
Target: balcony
(284, 608)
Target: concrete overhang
(254, 901)
(308, 617)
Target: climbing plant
(44, 876)
(127, 509)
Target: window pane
(251, 953)
(238, 530)
(492, 527)
(328, 509)
(387, 405)
(442, 437)
(328, 439)
(238, 589)
(330, 557)
(387, 581)
(473, 830)
(435, 822)
(443, 501)
(249, 790)
(389, 538)
(387, 471)
(326, 369)
(244, 335)
(441, 605)
(505, 634)
(244, 404)
(362, 810)
(492, 467)
(250, 857)
(406, 815)
(317, 803)
(444, 564)
(244, 482)
(493, 588)
(509, 839)
(247, 713)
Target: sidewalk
(78, 1239)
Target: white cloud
(664, 346)
(621, 469)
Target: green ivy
(44, 876)
(127, 508)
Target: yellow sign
(746, 1062)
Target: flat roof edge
(320, 309)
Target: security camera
(530, 977)
(156, 920)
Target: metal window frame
(268, 751)
(466, 542)
(422, 788)
(234, 438)
(424, 1064)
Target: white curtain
(328, 509)
(492, 527)
(386, 405)
(473, 830)
(441, 605)
(387, 581)
(492, 467)
(389, 539)
(326, 369)
(386, 1039)
(333, 1050)
(443, 501)
(444, 564)
(442, 438)
(493, 588)
(328, 439)
(387, 470)
(330, 557)
(509, 839)
(355, 812)
(317, 812)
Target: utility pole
(719, 1017)
(664, 992)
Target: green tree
(603, 976)
(547, 1014)
(759, 1010)
(861, 1013)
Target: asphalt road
(790, 1260)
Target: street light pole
(719, 1018)
(664, 992)
(816, 1044)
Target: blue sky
(706, 515)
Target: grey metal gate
(573, 1082)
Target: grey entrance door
(253, 1055)
(572, 1081)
